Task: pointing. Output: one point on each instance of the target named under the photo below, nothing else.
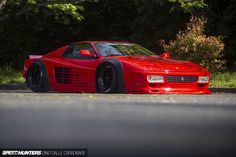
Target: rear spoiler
(35, 56)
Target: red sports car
(112, 67)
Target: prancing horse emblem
(182, 79)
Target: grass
(225, 79)
(9, 75)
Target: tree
(36, 25)
(189, 5)
(222, 21)
(2, 3)
(43, 25)
(141, 21)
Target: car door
(52, 62)
(80, 71)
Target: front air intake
(181, 79)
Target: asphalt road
(120, 125)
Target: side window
(74, 51)
(68, 52)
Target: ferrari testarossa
(112, 67)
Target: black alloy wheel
(107, 79)
(35, 78)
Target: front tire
(107, 80)
(36, 78)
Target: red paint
(86, 53)
(82, 73)
(165, 55)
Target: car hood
(155, 63)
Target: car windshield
(122, 49)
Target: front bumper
(137, 83)
(177, 90)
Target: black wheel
(107, 79)
(36, 78)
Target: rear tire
(107, 80)
(37, 79)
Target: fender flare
(120, 77)
(45, 82)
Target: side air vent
(65, 75)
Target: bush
(10, 75)
(194, 46)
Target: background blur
(43, 25)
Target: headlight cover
(203, 79)
(155, 79)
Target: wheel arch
(120, 76)
(42, 66)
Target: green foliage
(221, 21)
(189, 5)
(9, 75)
(43, 25)
(36, 25)
(141, 21)
(154, 21)
(66, 9)
(226, 79)
(194, 46)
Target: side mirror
(165, 55)
(86, 53)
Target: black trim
(46, 83)
(118, 66)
